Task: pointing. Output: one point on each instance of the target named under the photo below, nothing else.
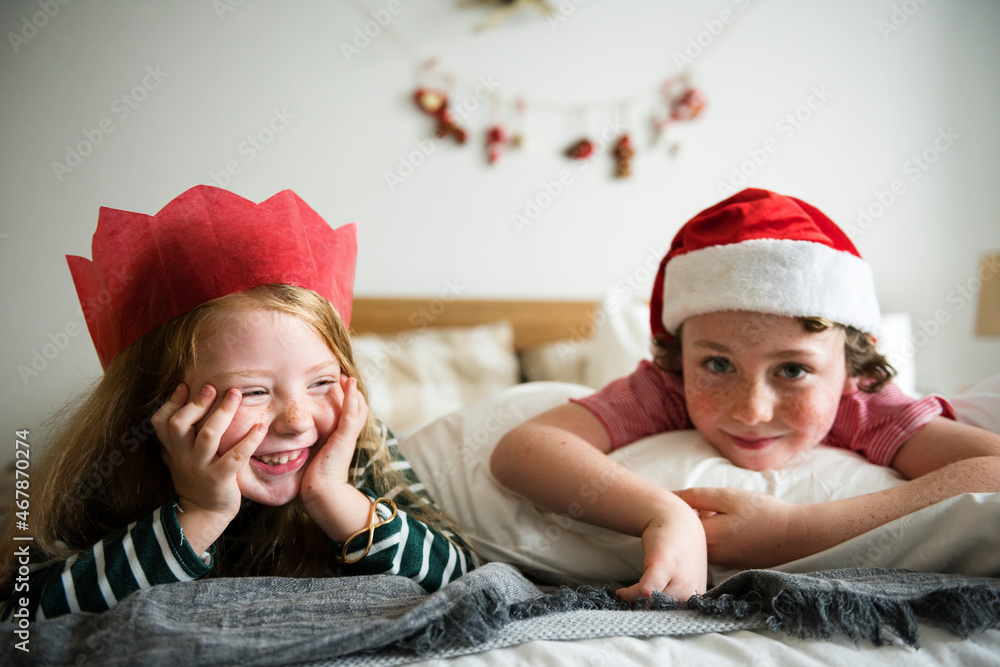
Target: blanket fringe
(476, 619)
(805, 613)
(589, 598)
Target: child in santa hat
(229, 435)
(764, 320)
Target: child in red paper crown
(222, 326)
(764, 319)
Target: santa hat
(763, 252)
(206, 243)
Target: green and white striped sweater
(153, 551)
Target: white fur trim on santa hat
(777, 276)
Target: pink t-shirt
(651, 401)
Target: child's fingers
(163, 415)
(237, 457)
(180, 422)
(707, 499)
(657, 579)
(211, 432)
(353, 411)
(174, 421)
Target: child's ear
(850, 386)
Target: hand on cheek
(203, 476)
(328, 472)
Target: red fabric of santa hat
(763, 252)
(206, 243)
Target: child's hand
(746, 529)
(204, 481)
(675, 561)
(326, 492)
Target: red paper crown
(205, 244)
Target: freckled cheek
(327, 414)
(809, 413)
(703, 405)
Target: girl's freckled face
(760, 387)
(289, 381)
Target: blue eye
(793, 371)
(717, 365)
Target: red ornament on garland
(435, 104)
(580, 150)
(681, 102)
(623, 152)
(496, 139)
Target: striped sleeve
(143, 554)
(406, 545)
(639, 405)
(877, 425)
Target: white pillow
(451, 457)
(606, 348)
(980, 405)
(415, 377)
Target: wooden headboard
(535, 322)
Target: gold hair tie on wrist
(370, 529)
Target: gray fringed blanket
(384, 620)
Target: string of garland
(675, 100)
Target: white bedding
(451, 456)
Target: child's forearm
(551, 461)
(824, 525)
(148, 552)
(558, 461)
(943, 459)
(200, 527)
(416, 550)
(341, 512)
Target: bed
(450, 376)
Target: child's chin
(273, 496)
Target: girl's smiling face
(289, 381)
(760, 387)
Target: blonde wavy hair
(103, 470)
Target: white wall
(893, 76)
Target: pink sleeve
(877, 425)
(646, 402)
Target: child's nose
(753, 403)
(291, 418)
